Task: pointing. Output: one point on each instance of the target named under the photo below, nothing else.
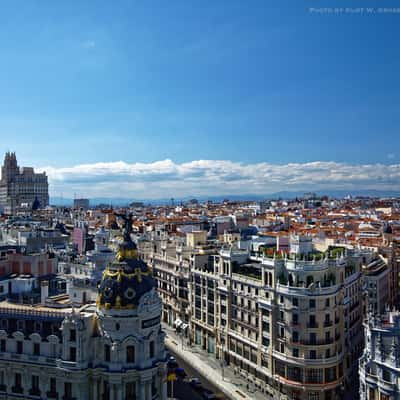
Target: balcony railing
(312, 325)
(34, 392)
(328, 324)
(317, 342)
(17, 389)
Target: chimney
(44, 292)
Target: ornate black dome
(127, 279)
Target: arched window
(130, 354)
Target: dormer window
(130, 354)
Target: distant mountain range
(119, 201)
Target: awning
(184, 326)
(178, 323)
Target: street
(183, 390)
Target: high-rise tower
(21, 188)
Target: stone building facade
(21, 188)
(290, 323)
(111, 350)
(380, 363)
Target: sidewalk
(233, 386)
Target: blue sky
(245, 82)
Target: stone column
(60, 387)
(163, 389)
(112, 391)
(118, 395)
(94, 391)
(148, 390)
(142, 392)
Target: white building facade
(380, 363)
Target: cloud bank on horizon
(164, 179)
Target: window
(36, 349)
(330, 374)
(295, 319)
(295, 352)
(67, 390)
(313, 338)
(281, 347)
(53, 349)
(313, 354)
(130, 354)
(20, 347)
(72, 354)
(327, 303)
(17, 383)
(53, 385)
(282, 331)
(151, 349)
(314, 376)
(106, 352)
(72, 335)
(2, 345)
(327, 353)
(386, 375)
(327, 337)
(295, 302)
(35, 385)
(295, 336)
(312, 303)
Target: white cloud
(163, 179)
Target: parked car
(195, 382)
(208, 394)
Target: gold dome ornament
(118, 302)
(126, 254)
(127, 279)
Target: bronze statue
(127, 229)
